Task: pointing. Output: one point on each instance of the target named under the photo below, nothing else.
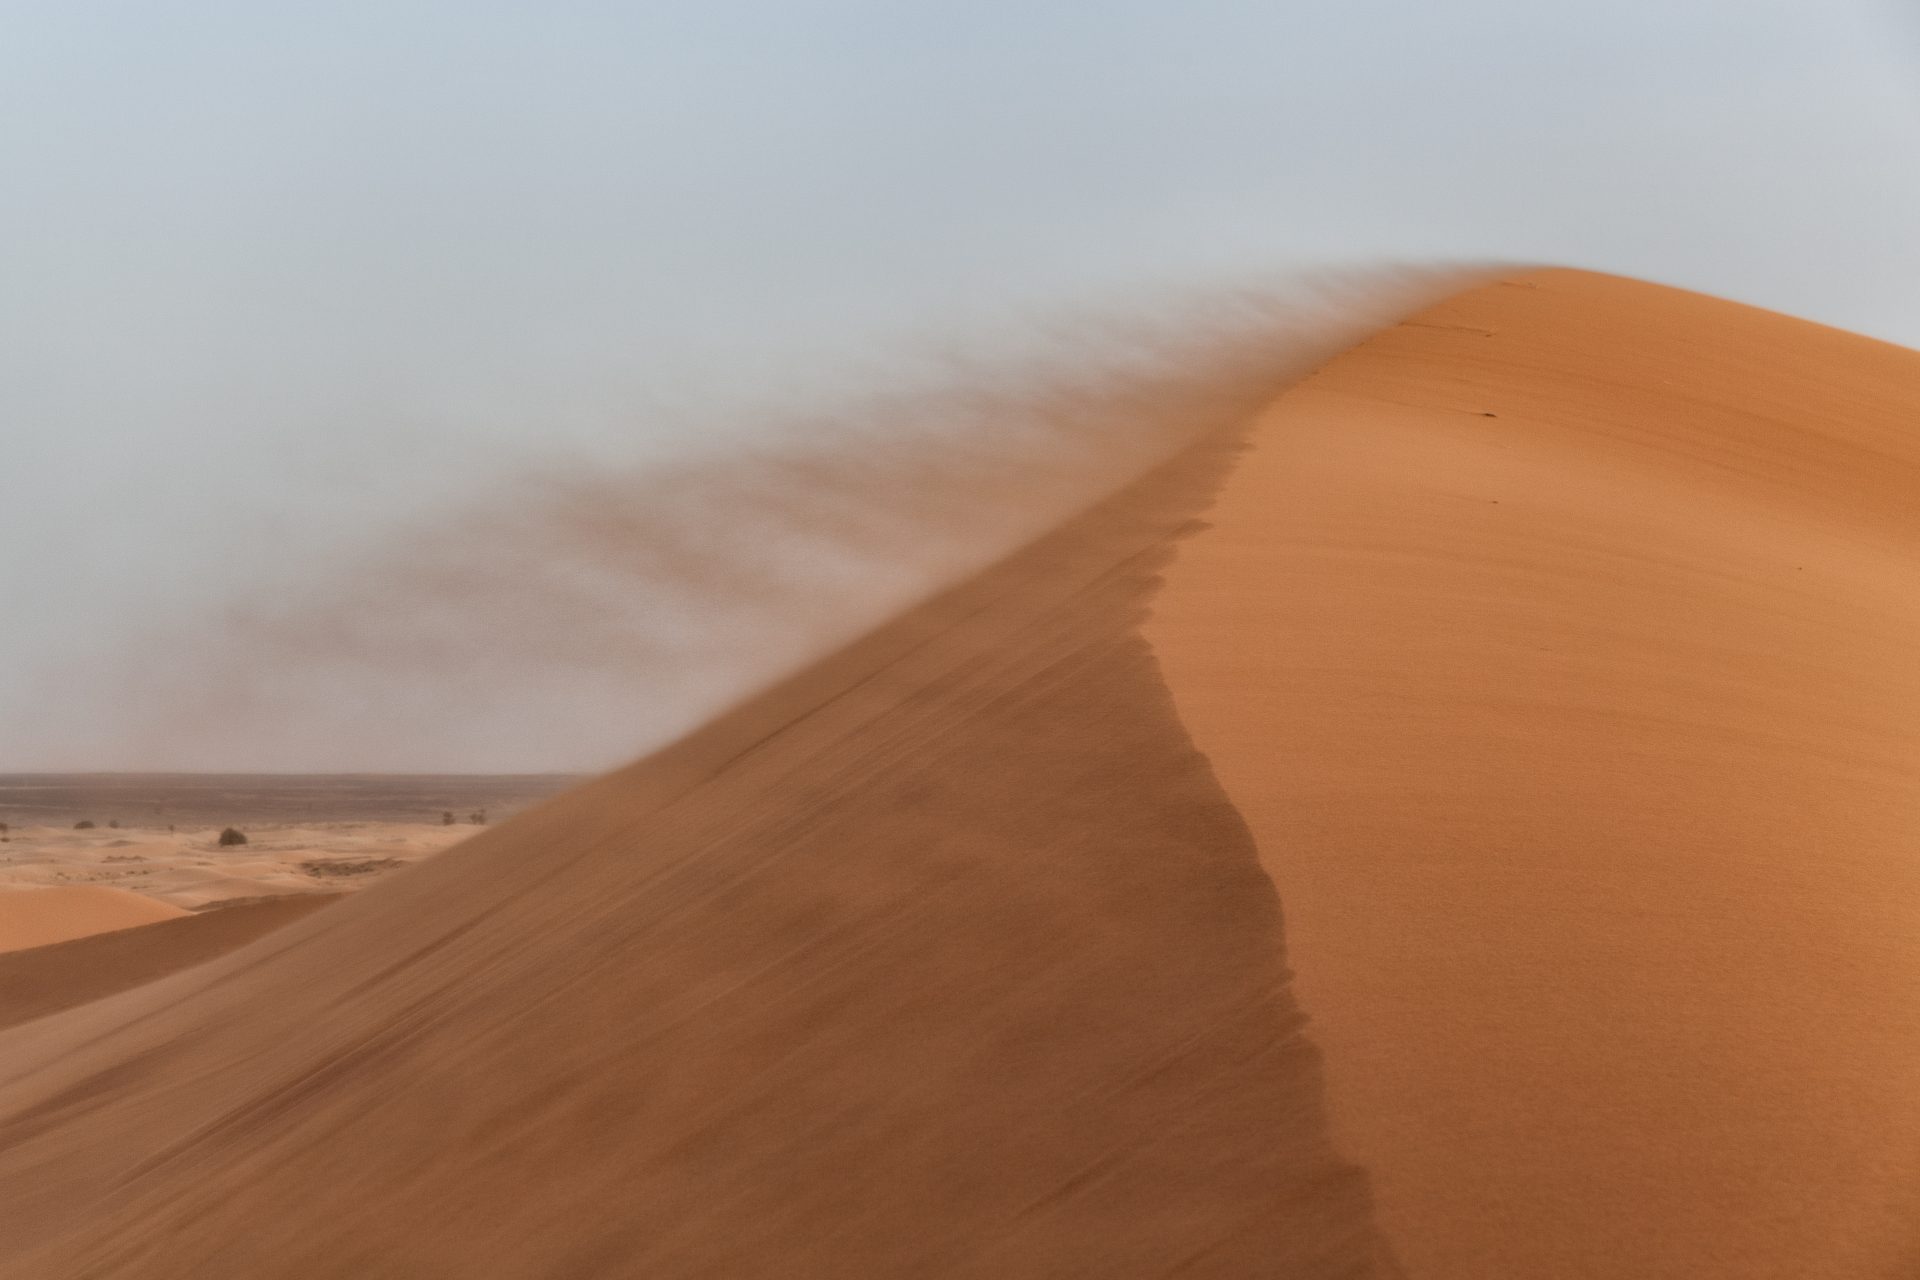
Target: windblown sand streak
(574, 615)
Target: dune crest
(946, 957)
(1558, 647)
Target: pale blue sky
(246, 247)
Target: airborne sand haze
(572, 614)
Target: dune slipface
(946, 958)
(1559, 647)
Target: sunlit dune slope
(39, 917)
(1561, 647)
(946, 958)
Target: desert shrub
(478, 817)
(232, 836)
(446, 819)
(114, 823)
(85, 824)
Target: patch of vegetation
(334, 870)
(232, 836)
(85, 824)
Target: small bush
(114, 823)
(85, 824)
(232, 836)
(478, 817)
(446, 819)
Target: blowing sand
(1549, 652)
(947, 957)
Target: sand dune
(37, 917)
(947, 957)
(1559, 648)
(45, 980)
(1549, 652)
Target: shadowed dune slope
(1559, 648)
(45, 980)
(946, 958)
(41, 917)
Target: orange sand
(1551, 653)
(1561, 646)
(37, 917)
(947, 957)
(45, 980)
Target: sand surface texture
(1551, 652)
(946, 958)
(1561, 647)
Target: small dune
(44, 980)
(41, 916)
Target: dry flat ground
(153, 850)
(1494, 857)
(154, 801)
(190, 870)
(88, 911)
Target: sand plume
(946, 957)
(577, 613)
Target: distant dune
(38, 916)
(47, 979)
(1550, 652)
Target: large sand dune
(1561, 647)
(1548, 652)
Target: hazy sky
(270, 274)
